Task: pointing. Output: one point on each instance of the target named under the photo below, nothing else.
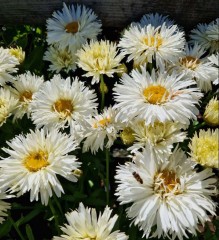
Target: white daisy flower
(158, 137)
(60, 103)
(207, 36)
(8, 104)
(72, 26)
(169, 199)
(100, 129)
(34, 162)
(195, 67)
(84, 223)
(162, 44)
(4, 206)
(98, 58)
(214, 59)
(24, 88)
(61, 58)
(156, 97)
(7, 65)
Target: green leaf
(5, 228)
(29, 232)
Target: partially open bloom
(158, 138)
(145, 44)
(7, 65)
(84, 224)
(60, 103)
(207, 36)
(61, 58)
(204, 148)
(72, 26)
(156, 97)
(24, 88)
(211, 114)
(18, 53)
(98, 58)
(34, 162)
(8, 104)
(100, 129)
(4, 206)
(168, 199)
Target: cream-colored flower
(72, 26)
(34, 162)
(7, 65)
(4, 206)
(98, 58)
(214, 59)
(167, 199)
(204, 148)
(61, 58)
(8, 104)
(84, 224)
(156, 97)
(24, 88)
(18, 53)
(211, 114)
(145, 44)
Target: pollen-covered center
(190, 62)
(36, 161)
(26, 96)
(153, 41)
(166, 182)
(155, 94)
(63, 106)
(102, 123)
(72, 27)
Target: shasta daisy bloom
(98, 58)
(24, 88)
(8, 104)
(4, 206)
(156, 97)
(157, 137)
(60, 103)
(211, 114)
(18, 53)
(207, 36)
(204, 148)
(197, 68)
(99, 129)
(7, 65)
(72, 26)
(84, 224)
(61, 58)
(143, 44)
(168, 199)
(214, 59)
(34, 162)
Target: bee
(137, 177)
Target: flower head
(18, 53)
(84, 224)
(61, 103)
(72, 26)
(204, 148)
(211, 114)
(34, 162)
(214, 59)
(98, 58)
(156, 97)
(4, 206)
(168, 199)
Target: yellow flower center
(166, 182)
(36, 161)
(63, 106)
(72, 27)
(153, 41)
(26, 96)
(155, 94)
(127, 136)
(102, 123)
(190, 62)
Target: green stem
(107, 175)
(102, 84)
(16, 228)
(53, 211)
